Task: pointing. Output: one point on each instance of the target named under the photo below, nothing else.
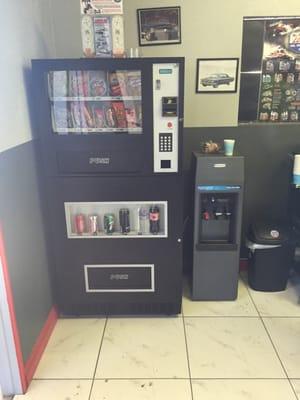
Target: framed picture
(217, 75)
(159, 26)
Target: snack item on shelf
(134, 83)
(58, 83)
(97, 83)
(80, 83)
(76, 114)
(99, 117)
(87, 116)
(120, 115)
(60, 116)
(110, 117)
(85, 83)
(131, 117)
(73, 84)
(117, 83)
(139, 117)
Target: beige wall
(210, 29)
(26, 33)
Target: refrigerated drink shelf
(117, 220)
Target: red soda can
(80, 223)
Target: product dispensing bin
(270, 256)
(217, 226)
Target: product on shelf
(110, 117)
(61, 116)
(118, 83)
(120, 115)
(124, 220)
(131, 117)
(58, 83)
(93, 224)
(73, 84)
(134, 83)
(109, 223)
(154, 217)
(80, 224)
(87, 116)
(97, 83)
(99, 117)
(138, 111)
(143, 218)
(76, 110)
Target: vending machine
(111, 140)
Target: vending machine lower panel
(117, 245)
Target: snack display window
(94, 101)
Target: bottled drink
(124, 220)
(143, 216)
(154, 219)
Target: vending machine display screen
(93, 101)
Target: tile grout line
(97, 360)
(273, 345)
(187, 354)
(283, 367)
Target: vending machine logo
(118, 277)
(99, 160)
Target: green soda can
(109, 223)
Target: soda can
(80, 223)
(124, 220)
(93, 224)
(109, 223)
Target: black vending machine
(111, 143)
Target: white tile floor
(243, 350)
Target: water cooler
(218, 202)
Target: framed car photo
(217, 75)
(159, 26)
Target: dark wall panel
(25, 244)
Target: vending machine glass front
(96, 101)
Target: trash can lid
(269, 232)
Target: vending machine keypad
(165, 142)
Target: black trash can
(270, 256)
